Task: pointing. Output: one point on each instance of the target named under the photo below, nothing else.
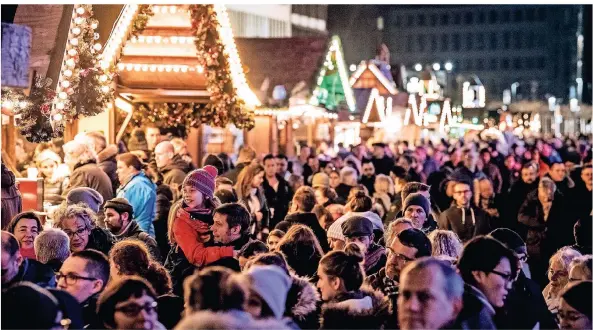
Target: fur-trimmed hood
(302, 300)
(109, 152)
(340, 314)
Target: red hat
(202, 179)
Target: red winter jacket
(189, 234)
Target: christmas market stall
(124, 66)
(303, 86)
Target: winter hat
(335, 229)
(271, 283)
(86, 195)
(510, 239)
(419, 200)
(137, 140)
(120, 205)
(320, 180)
(357, 226)
(202, 179)
(576, 294)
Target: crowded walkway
(461, 234)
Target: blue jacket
(140, 191)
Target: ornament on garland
(224, 106)
(33, 112)
(83, 87)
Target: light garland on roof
(118, 36)
(335, 48)
(305, 110)
(230, 49)
(175, 68)
(162, 39)
(373, 68)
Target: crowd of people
(481, 234)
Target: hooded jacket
(308, 219)
(140, 192)
(362, 309)
(90, 175)
(474, 222)
(106, 161)
(303, 303)
(133, 231)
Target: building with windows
(536, 48)
(277, 21)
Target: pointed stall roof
(270, 62)
(332, 85)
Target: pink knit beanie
(202, 179)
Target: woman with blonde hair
(248, 190)
(53, 173)
(445, 243)
(302, 250)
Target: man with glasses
(462, 217)
(488, 269)
(525, 306)
(16, 268)
(406, 246)
(84, 275)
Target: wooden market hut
(157, 66)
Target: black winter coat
(101, 240)
(477, 313)
(452, 219)
(524, 307)
(308, 219)
(277, 200)
(35, 272)
(164, 198)
(134, 232)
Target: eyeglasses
(71, 278)
(462, 192)
(79, 232)
(507, 277)
(523, 258)
(393, 254)
(132, 310)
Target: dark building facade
(533, 46)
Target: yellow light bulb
(80, 10)
(65, 84)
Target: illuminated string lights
(376, 72)
(81, 35)
(230, 49)
(162, 40)
(159, 67)
(118, 36)
(335, 48)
